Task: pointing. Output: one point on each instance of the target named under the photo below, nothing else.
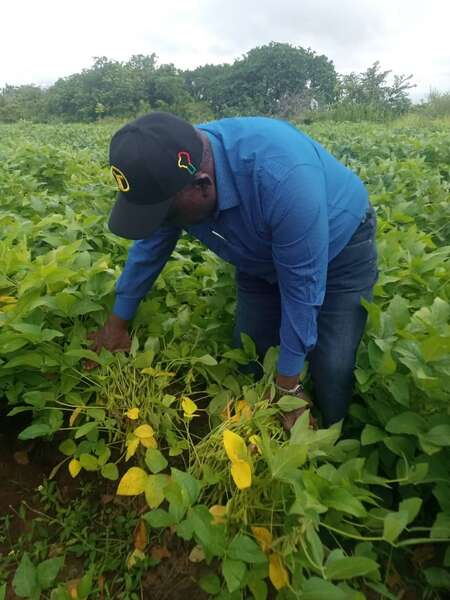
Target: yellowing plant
(240, 465)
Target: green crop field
(166, 471)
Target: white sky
(42, 40)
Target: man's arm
(146, 259)
(299, 223)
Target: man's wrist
(286, 382)
(118, 322)
(297, 389)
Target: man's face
(194, 204)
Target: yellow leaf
(256, 441)
(218, 512)
(197, 554)
(74, 415)
(277, 573)
(157, 372)
(263, 537)
(242, 474)
(234, 446)
(132, 414)
(72, 588)
(132, 483)
(244, 410)
(135, 556)
(144, 431)
(74, 467)
(189, 407)
(149, 442)
(132, 444)
(8, 299)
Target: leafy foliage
(320, 513)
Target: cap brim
(136, 221)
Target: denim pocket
(355, 267)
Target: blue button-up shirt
(285, 208)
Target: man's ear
(202, 179)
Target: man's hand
(113, 336)
(284, 384)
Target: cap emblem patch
(184, 162)
(121, 180)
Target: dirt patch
(26, 465)
(176, 577)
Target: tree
(371, 89)
(22, 102)
(266, 80)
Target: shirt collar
(226, 193)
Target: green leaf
(287, 458)
(185, 530)
(154, 489)
(234, 573)
(155, 460)
(245, 549)
(210, 584)
(144, 359)
(437, 577)
(288, 403)
(2, 591)
(25, 582)
(412, 506)
(407, 422)
(350, 567)
(26, 359)
(319, 589)
(249, 346)
(342, 499)
(438, 436)
(315, 544)
(393, 524)
(85, 429)
(35, 431)
(206, 359)
(398, 310)
(371, 435)
(84, 587)
(258, 588)
(435, 348)
(48, 570)
(67, 447)
(237, 355)
(110, 471)
(189, 485)
(381, 362)
(159, 518)
(211, 537)
(88, 462)
(441, 526)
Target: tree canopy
(277, 79)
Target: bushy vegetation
(277, 79)
(192, 446)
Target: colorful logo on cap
(184, 162)
(121, 180)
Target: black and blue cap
(152, 158)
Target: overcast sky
(43, 40)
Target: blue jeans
(351, 275)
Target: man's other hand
(113, 336)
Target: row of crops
(175, 425)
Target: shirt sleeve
(299, 226)
(146, 259)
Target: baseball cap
(152, 158)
